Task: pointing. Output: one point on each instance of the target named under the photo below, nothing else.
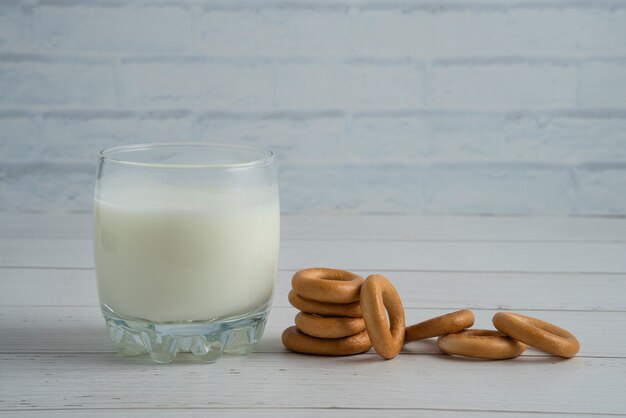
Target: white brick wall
(455, 106)
(356, 85)
(305, 138)
(33, 80)
(502, 83)
(195, 82)
(161, 29)
(603, 83)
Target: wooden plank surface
(373, 227)
(282, 412)
(480, 290)
(55, 359)
(81, 330)
(608, 257)
(545, 384)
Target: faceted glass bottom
(207, 341)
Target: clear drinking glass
(186, 241)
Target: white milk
(168, 254)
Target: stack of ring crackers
(344, 314)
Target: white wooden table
(55, 359)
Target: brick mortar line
(95, 113)
(416, 5)
(9, 164)
(185, 58)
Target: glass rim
(110, 155)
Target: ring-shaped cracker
(294, 340)
(327, 285)
(328, 326)
(537, 333)
(352, 310)
(481, 343)
(442, 325)
(382, 311)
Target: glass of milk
(186, 241)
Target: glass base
(207, 341)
